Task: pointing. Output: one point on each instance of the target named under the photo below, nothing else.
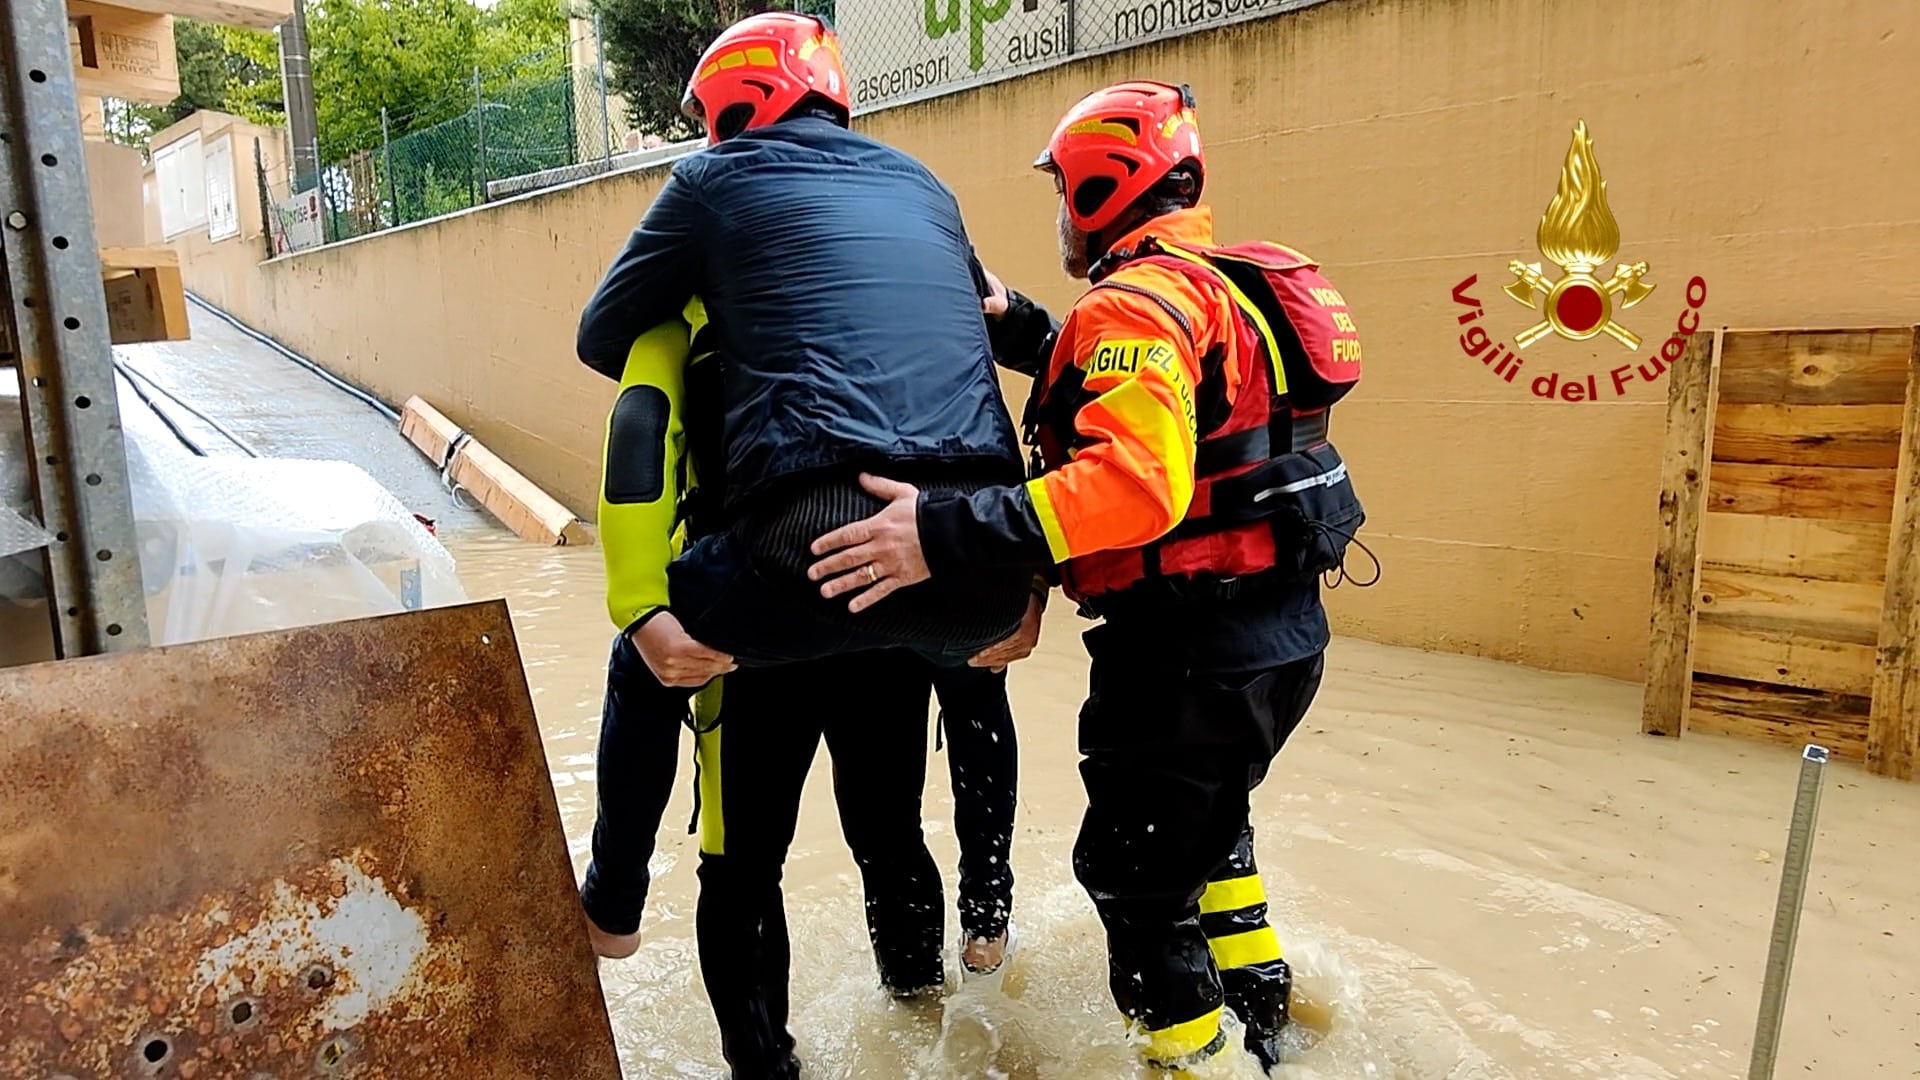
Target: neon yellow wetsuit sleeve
(644, 469)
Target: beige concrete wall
(1406, 145)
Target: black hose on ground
(384, 409)
(136, 376)
(196, 448)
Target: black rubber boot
(1259, 996)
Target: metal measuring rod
(1786, 913)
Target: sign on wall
(903, 48)
(1570, 296)
(223, 212)
(297, 222)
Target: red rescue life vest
(1271, 495)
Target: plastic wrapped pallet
(232, 545)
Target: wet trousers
(774, 719)
(983, 765)
(752, 766)
(1165, 850)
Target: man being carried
(838, 326)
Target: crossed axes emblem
(1624, 284)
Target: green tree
(224, 68)
(653, 45)
(416, 59)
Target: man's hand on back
(674, 657)
(995, 302)
(875, 555)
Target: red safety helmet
(766, 63)
(1117, 143)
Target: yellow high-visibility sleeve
(643, 469)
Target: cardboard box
(115, 177)
(122, 54)
(146, 299)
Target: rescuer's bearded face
(1073, 246)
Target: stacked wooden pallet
(1786, 583)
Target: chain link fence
(512, 127)
(898, 51)
(520, 134)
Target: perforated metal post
(1786, 914)
(52, 264)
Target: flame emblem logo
(1578, 234)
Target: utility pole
(296, 80)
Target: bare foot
(612, 946)
(982, 956)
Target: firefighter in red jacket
(1189, 494)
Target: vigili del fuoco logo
(1578, 235)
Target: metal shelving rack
(50, 283)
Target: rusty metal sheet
(326, 852)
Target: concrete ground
(282, 410)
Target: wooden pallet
(1786, 582)
(258, 14)
(123, 53)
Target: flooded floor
(1486, 869)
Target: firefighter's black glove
(1023, 337)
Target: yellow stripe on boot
(1260, 946)
(1186, 1043)
(1232, 895)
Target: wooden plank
(1800, 547)
(517, 502)
(1787, 659)
(1842, 611)
(125, 54)
(428, 429)
(1849, 436)
(1816, 367)
(1781, 714)
(1893, 736)
(1676, 563)
(93, 117)
(137, 258)
(1802, 491)
(258, 14)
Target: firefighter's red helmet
(1117, 143)
(767, 64)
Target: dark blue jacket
(842, 288)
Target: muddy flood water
(1487, 871)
